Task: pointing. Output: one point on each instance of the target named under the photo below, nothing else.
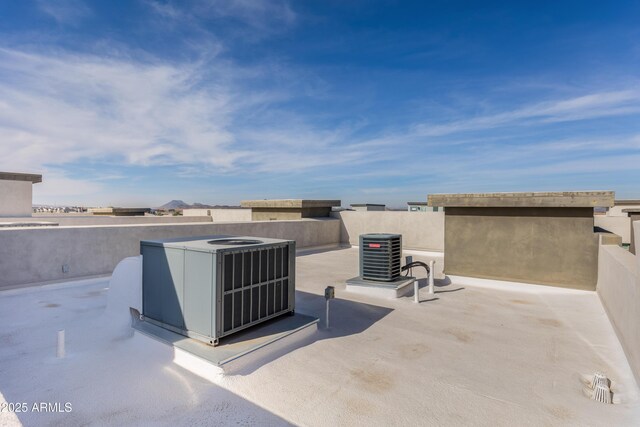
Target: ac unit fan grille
(380, 256)
(255, 286)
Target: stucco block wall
(619, 291)
(634, 219)
(31, 255)
(221, 215)
(617, 210)
(15, 198)
(196, 212)
(421, 231)
(270, 214)
(620, 225)
(551, 246)
(83, 219)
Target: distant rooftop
(626, 202)
(289, 203)
(119, 211)
(14, 176)
(563, 199)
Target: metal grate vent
(255, 286)
(599, 388)
(380, 256)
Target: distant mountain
(180, 204)
(174, 204)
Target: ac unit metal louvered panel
(255, 286)
(380, 256)
(210, 287)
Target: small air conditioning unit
(380, 256)
(209, 287)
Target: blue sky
(139, 102)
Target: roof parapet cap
(560, 199)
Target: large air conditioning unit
(380, 256)
(209, 287)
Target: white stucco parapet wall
(38, 254)
(423, 231)
(619, 291)
(16, 193)
(15, 198)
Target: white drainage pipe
(60, 351)
(416, 291)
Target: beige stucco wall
(619, 291)
(620, 225)
(271, 214)
(223, 215)
(279, 213)
(617, 210)
(84, 219)
(634, 219)
(30, 255)
(369, 208)
(421, 231)
(15, 198)
(196, 212)
(551, 246)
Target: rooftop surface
(473, 353)
(560, 199)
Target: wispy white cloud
(257, 14)
(584, 107)
(260, 18)
(65, 11)
(64, 108)
(205, 116)
(60, 108)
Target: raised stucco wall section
(271, 214)
(84, 219)
(15, 198)
(420, 230)
(277, 213)
(221, 215)
(619, 291)
(617, 210)
(619, 225)
(550, 246)
(32, 255)
(196, 212)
